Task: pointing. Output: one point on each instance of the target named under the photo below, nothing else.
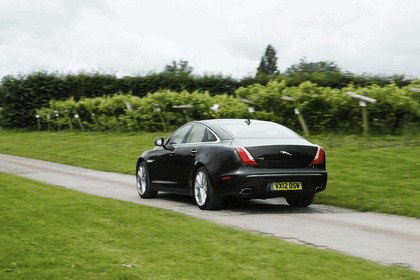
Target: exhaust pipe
(246, 191)
(318, 189)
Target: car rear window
(259, 131)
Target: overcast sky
(135, 37)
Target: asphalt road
(386, 239)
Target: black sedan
(213, 159)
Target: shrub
(324, 109)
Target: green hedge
(125, 112)
(324, 109)
(22, 95)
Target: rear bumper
(257, 183)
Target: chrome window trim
(210, 142)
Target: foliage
(381, 80)
(324, 109)
(394, 110)
(92, 84)
(323, 73)
(125, 112)
(178, 68)
(22, 95)
(214, 84)
(268, 64)
(327, 109)
(311, 67)
(329, 74)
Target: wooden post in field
(184, 108)
(49, 122)
(77, 117)
(365, 119)
(69, 121)
(38, 121)
(302, 122)
(162, 120)
(363, 105)
(299, 115)
(57, 115)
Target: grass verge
(379, 174)
(115, 152)
(53, 233)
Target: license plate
(287, 186)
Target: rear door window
(179, 135)
(200, 133)
(197, 134)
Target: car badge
(285, 153)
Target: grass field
(378, 173)
(54, 233)
(101, 151)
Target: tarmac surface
(386, 239)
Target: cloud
(136, 37)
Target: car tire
(144, 188)
(203, 191)
(303, 200)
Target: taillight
(319, 156)
(246, 156)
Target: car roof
(220, 127)
(212, 122)
(229, 121)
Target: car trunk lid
(283, 156)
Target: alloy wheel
(200, 188)
(141, 179)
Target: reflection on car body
(213, 159)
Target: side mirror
(159, 142)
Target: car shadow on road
(256, 206)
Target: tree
(329, 74)
(323, 73)
(178, 68)
(311, 67)
(268, 64)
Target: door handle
(172, 153)
(193, 151)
